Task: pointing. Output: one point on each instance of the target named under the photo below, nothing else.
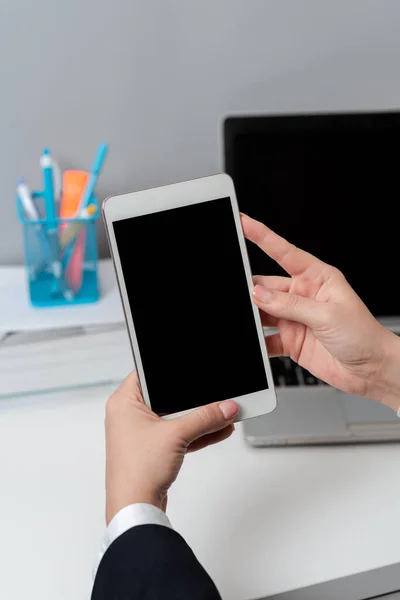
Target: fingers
(130, 385)
(207, 419)
(211, 439)
(267, 320)
(290, 258)
(291, 307)
(276, 283)
(274, 345)
(128, 394)
(273, 282)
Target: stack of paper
(59, 348)
(16, 313)
(77, 357)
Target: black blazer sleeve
(152, 562)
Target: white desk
(260, 521)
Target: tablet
(184, 276)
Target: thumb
(292, 307)
(207, 419)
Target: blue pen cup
(60, 275)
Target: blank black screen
(190, 305)
(329, 185)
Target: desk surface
(261, 521)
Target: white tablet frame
(207, 189)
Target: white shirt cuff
(128, 517)
(133, 515)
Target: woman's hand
(323, 325)
(144, 453)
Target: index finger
(290, 258)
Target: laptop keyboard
(287, 373)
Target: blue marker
(94, 175)
(46, 162)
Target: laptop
(330, 184)
(383, 583)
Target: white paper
(17, 314)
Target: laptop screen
(330, 184)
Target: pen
(32, 214)
(46, 163)
(94, 175)
(30, 209)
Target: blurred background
(154, 79)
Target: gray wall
(155, 78)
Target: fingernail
(262, 294)
(229, 409)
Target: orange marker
(74, 184)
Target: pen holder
(61, 273)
